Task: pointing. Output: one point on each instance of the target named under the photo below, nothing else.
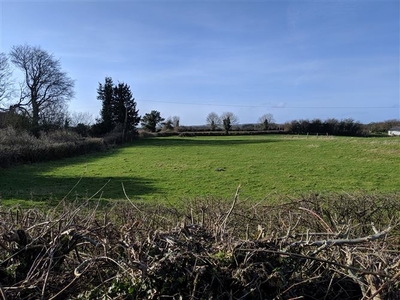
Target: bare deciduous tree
(45, 86)
(167, 124)
(85, 118)
(228, 119)
(54, 115)
(213, 120)
(265, 120)
(176, 122)
(232, 117)
(6, 84)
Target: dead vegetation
(336, 247)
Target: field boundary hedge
(345, 246)
(19, 147)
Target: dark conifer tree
(124, 108)
(227, 124)
(118, 108)
(105, 94)
(151, 120)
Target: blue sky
(293, 59)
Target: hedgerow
(18, 146)
(338, 247)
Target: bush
(146, 134)
(11, 137)
(82, 129)
(60, 136)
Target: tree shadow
(31, 182)
(48, 188)
(201, 141)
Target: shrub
(146, 134)
(11, 137)
(60, 136)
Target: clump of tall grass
(18, 146)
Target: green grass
(174, 169)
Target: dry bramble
(337, 247)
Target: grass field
(176, 169)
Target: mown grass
(176, 169)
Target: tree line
(40, 104)
(228, 119)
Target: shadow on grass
(29, 182)
(44, 188)
(203, 141)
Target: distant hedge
(345, 127)
(145, 134)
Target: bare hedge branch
(209, 248)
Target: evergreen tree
(124, 108)
(227, 124)
(105, 94)
(229, 118)
(118, 108)
(151, 120)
